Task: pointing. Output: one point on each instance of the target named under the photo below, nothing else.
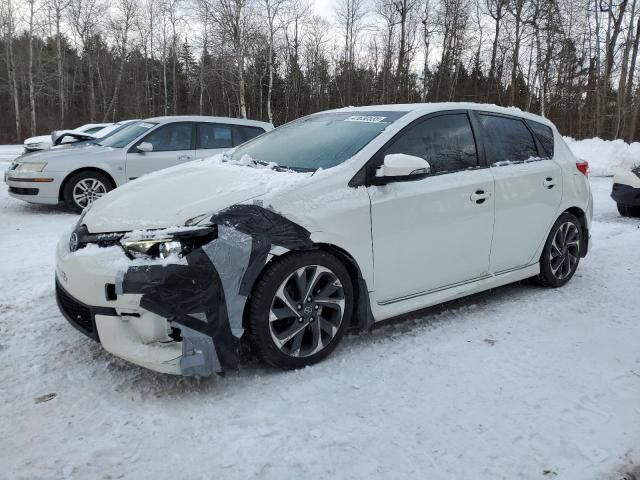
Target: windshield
(318, 141)
(126, 135)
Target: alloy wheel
(87, 190)
(565, 250)
(306, 311)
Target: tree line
(69, 62)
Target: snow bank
(604, 155)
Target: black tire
(264, 297)
(103, 186)
(628, 211)
(549, 276)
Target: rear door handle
(548, 183)
(479, 196)
(184, 158)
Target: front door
(435, 232)
(172, 144)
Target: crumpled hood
(70, 136)
(170, 197)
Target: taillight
(583, 166)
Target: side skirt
(404, 305)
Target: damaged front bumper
(182, 314)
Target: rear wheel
(628, 211)
(84, 188)
(300, 309)
(561, 253)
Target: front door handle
(479, 196)
(548, 183)
(184, 158)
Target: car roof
(425, 108)
(204, 118)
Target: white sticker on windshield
(364, 118)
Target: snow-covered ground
(521, 382)
(9, 152)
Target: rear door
(435, 232)
(528, 189)
(173, 143)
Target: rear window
(245, 133)
(508, 139)
(544, 135)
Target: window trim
(134, 147)
(214, 124)
(539, 149)
(366, 175)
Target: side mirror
(399, 167)
(145, 147)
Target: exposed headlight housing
(636, 171)
(163, 244)
(30, 167)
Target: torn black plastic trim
(204, 292)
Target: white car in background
(42, 142)
(331, 222)
(80, 175)
(626, 188)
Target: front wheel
(561, 253)
(84, 188)
(300, 309)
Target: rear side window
(245, 133)
(545, 136)
(507, 139)
(446, 142)
(212, 135)
(171, 138)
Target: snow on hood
(172, 196)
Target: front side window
(171, 137)
(507, 139)
(212, 135)
(126, 135)
(318, 141)
(445, 141)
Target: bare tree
(350, 14)
(11, 66)
(272, 11)
(121, 25)
(497, 10)
(59, 7)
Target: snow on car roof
(438, 106)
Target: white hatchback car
(79, 176)
(331, 222)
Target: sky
(324, 8)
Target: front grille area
(23, 191)
(81, 316)
(77, 313)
